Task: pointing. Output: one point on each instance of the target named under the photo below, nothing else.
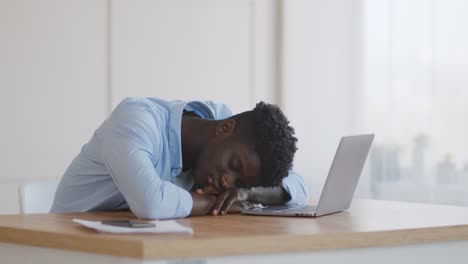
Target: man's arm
(268, 195)
(292, 190)
(127, 144)
(295, 186)
(202, 203)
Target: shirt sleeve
(294, 184)
(127, 147)
(220, 111)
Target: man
(165, 159)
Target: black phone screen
(128, 223)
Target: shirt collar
(175, 134)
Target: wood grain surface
(369, 223)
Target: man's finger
(219, 202)
(207, 190)
(228, 203)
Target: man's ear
(226, 127)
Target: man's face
(226, 162)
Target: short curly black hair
(267, 129)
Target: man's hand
(202, 203)
(232, 200)
(242, 198)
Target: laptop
(339, 187)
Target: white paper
(166, 226)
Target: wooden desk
(369, 224)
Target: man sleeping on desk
(163, 159)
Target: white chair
(36, 197)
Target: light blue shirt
(134, 161)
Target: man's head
(253, 148)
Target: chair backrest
(37, 196)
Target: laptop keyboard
(289, 209)
(301, 209)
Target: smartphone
(128, 223)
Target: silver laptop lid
(344, 174)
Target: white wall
(65, 63)
(322, 79)
(52, 87)
(185, 49)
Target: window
(415, 98)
